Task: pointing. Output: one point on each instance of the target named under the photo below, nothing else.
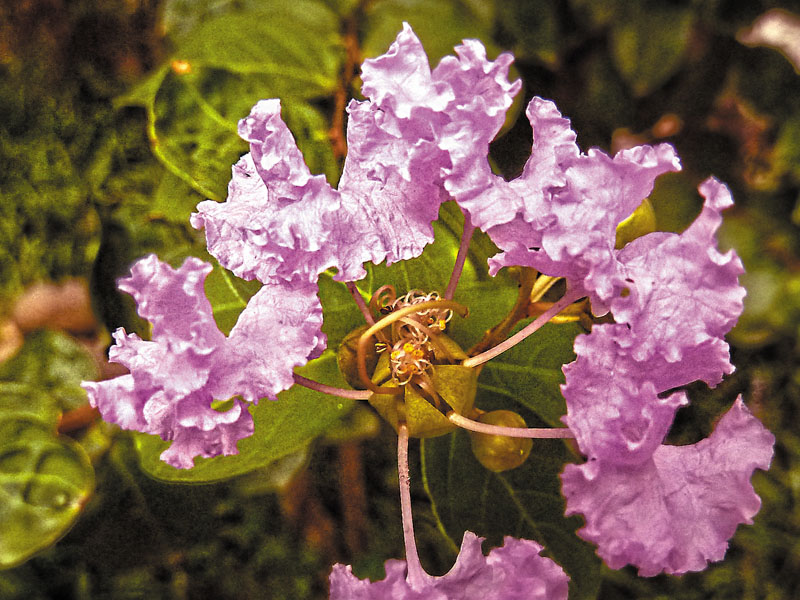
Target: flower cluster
(421, 137)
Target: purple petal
(400, 83)
(613, 407)
(174, 301)
(281, 223)
(279, 329)
(677, 511)
(518, 211)
(172, 381)
(270, 227)
(514, 572)
(684, 293)
(575, 235)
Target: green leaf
(25, 399)
(281, 428)
(524, 502)
(530, 372)
(649, 43)
(221, 68)
(440, 25)
(534, 27)
(228, 295)
(53, 364)
(44, 483)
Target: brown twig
(352, 48)
(353, 496)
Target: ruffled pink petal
(281, 223)
(515, 571)
(675, 512)
(400, 83)
(683, 293)
(221, 440)
(174, 301)
(613, 407)
(172, 383)
(482, 95)
(117, 401)
(279, 329)
(271, 226)
(391, 192)
(574, 236)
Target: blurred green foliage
(119, 116)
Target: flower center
(413, 349)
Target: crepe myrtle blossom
(189, 362)
(514, 571)
(420, 138)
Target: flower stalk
(520, 432)
(417, 577)
(569, 297)
(333, 391)
(461, 257)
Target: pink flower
(676, 510)
(189, 363)
(515, 571)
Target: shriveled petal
(684, 293)
(677, 511)
(515, 571)
(613, 407)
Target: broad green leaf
(26, 399)
(524, 502)
(228, 295)
(530, 372)
(649, 43)
(52, 364)
(281, 428)
(220, 69)
(440, 25)
(44, 482)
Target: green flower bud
(499, 452)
